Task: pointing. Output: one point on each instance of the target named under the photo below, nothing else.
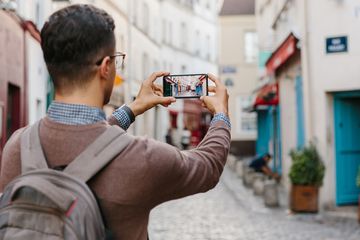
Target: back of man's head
(73, 40)
(267, 156)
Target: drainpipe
(306, 73)
(129, 65)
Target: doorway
(347, 146)
(13, 110)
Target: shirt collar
(75, 114)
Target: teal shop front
(347, 146)
(268, 120)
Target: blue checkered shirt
(221, 117)
(78, 114)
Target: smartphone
(185, 86)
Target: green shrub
(307, 167)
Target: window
(171, 67)
(197, 43)
(229, 82)
(184, 35)
(122, 43)
(246, 122)
(170, 33)
(207, 4)
(164, 30)
(156, 66)
(183, 69)
(38, 14)
(208, 47)
(145, 65)
(146, 17)
(135, 8)
(251, 47)
(39, 109)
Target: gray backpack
(43, 203)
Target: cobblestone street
(222, 214)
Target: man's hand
(217, 103)
(150, 95)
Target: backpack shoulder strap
(31, 155)
(99, 153)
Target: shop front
(266, 105)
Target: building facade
(313, 60)
(24, 78)
(238, 70)
(169, 35)
(12, 75)
(34, 13)
(189, 44)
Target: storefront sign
(228, 69)
(337, 44)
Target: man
(79, 49)
(260, 164)
(185, 138)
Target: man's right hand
(218, 103)
(150, 95)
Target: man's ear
(105, 67)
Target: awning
(281, 54)
(268, 95)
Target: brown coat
(146, 174)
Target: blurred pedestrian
(168, 136)
(260, 164)
(185, 138)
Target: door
(2, 116)
(347, 146)
(276, 139)
(13, 110)
(263, 138)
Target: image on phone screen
(185, 86)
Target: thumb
(204, 98)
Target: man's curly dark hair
(73, 40)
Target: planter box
(304, 198)
(271, 195)
(239, 168)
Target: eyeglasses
(119, 60)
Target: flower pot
(304, 198)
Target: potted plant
(358, 184)
(306, 175)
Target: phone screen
(185, 86)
